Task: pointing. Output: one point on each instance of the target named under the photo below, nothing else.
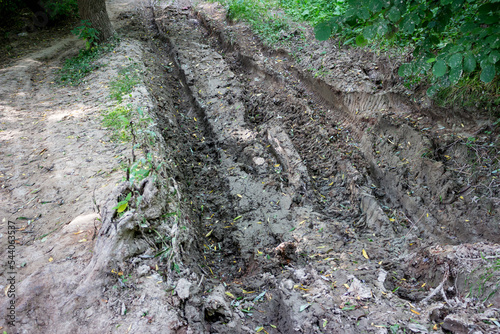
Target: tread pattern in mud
(284, 190)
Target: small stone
(457, 324)
(417, 328)
(142, 270)
(182, 288)
(288, 284)
(259, 161)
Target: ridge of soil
(274, 201)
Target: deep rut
(290, 204)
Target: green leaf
(494, 57)
(122, 206)
(322, 31)
(404, 70)
(488, 73)
(494, 41)
(363, 14)
(361, 40)
(484, 62)
(432, 90)
(303, 307)
(489, 19)
(439, 69)
(350, 13)
(430, 60)
(468, 27)
(469, 62)
(457, 4)
(335, 27)
(382, 28)
(370, 32)
(455, 61)
(375, 5)
(394, 14)
(408, 24)
(455, 74)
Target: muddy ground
(278, 199)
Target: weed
(118, 120)
(164, 250)
(176, 267)
(78, 67)
(470, 92)
(348, 307)
(123, 85)
(141, 169)
(488, 281)
(312, 11)
(123, 205)
(271, 28)
(87, 33)
(60, 10)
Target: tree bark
(95, 12)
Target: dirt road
(276, 200)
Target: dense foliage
(259, 14)
(55, 10)
(451, 38)
(312, 11)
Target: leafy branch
(451, 38)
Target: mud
(276, 202)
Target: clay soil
(291, 189)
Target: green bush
(124, 84)
(87, 33)
(61, 9)
(118, 120)
(313, 11)
(77, 68)
(451, 38)
(269, 27)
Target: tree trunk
(95, 12)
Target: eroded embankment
(296, 214)
(405, 152)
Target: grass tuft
(123, 85)
(118, 120)
(471, 92)
(75, 69)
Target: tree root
(439, 288)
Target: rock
(359, 290)
(192, 314)
(259, 161)
(301, 275)
(142, 270)
(458, 324)
(417, 328)
(287, 284)
(285, 252)
(382, 275)
(182, 288)
(216, 307)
